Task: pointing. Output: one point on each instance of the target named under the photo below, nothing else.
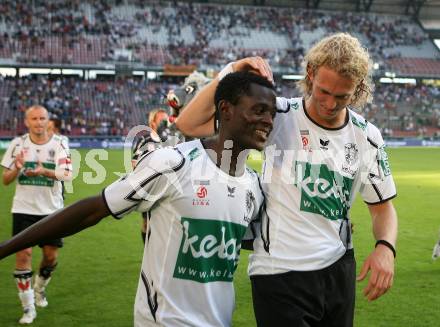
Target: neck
(39, 138)
(231, 160)
(337, 122)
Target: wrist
(225, 71)
(388, 245)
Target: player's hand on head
(255, 65)
(380, 263)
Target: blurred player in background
(54, 127)
(39, 162)
(163, 131)
(202, 198)
(436, 250)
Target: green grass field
(97, 276)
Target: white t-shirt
(310, 178)
(38, 195)
(199, 216)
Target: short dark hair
(234, 85)
(56, 123)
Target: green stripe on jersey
(36, 180)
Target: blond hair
(153, 113)
(345, 55)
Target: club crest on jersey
(200, 199)
(351, 156)
(250, 205)
(51, 154)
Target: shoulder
(369, 130)
(18, 140)
(162, 159)
(358, 121)
(374, 136)
(252, 173)
(285, 105)
(254, 179)
(191, 150)
(60, 141)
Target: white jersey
(310, 178)
(199, 215)
(38, 195)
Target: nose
(330, 102)
(268, 119)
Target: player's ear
(225, 109)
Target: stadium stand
(202, 34)
(153, 34)
(85, 107)
(96, 107)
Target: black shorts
(21, 221)
(321, 298)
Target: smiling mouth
(262, 133)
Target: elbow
(68, 177)
(65, 176)
(6, 179)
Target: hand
(19, 160)
(255, 65)
(37, 171)
(381, 264)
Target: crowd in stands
(84, 107)
(92, 107)
(76, 32)
(406, 110)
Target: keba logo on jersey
(323, 191)
(201, 200)
(209, 250)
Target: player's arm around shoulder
(197, 118)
